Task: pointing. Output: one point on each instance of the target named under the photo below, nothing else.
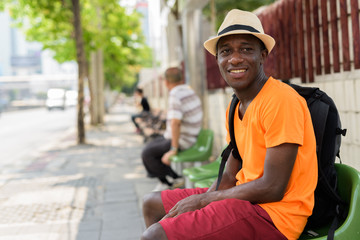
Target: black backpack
(327, 127)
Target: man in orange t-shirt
(272, 195)
(269, 122)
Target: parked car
(55, 99)
(71, 98)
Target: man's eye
(225, 51)
(246, 49)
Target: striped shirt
(184, 105)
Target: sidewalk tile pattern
(79, 192)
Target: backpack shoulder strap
(232, 110)
(232, 145)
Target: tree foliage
(106, 25)
(222, 7)
(125, 50)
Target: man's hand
(166, 157)
(191, 203)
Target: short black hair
(139, 90)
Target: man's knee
(152, 202)
(153, 209)
(155, 231)
(149, 152)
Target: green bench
(205, 183)
(349, 190)
(199, 152)
(196, 174)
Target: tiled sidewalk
(80, 192)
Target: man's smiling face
(240, 57)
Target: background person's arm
(175, 135)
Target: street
(23, 134)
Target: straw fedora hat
(240, 22)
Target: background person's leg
(151, 156)
(133, 119)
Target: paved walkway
(79, 192)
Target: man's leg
(153, 209)
(151, 156)
(224, 219)
(155, 231)
(133, 119)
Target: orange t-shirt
(278, 114)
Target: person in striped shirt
(183, 124)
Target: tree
(60, 24)
(81, 60)
(223, 6)
(176, 12)
(52, 22)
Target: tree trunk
(81, 60)
(97, 85)
(177, 14)
(100, 86)
(213, 17)
(93, 90)
(96, 80)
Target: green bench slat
(200, 151)
(205, 183)
(195, 174)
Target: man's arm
(271, 187)
(175, 135)
(228, 179)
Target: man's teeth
(238, 71)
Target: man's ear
(264, 55)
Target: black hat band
(238, 27)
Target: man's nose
(236, 58)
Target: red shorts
(225, 219)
